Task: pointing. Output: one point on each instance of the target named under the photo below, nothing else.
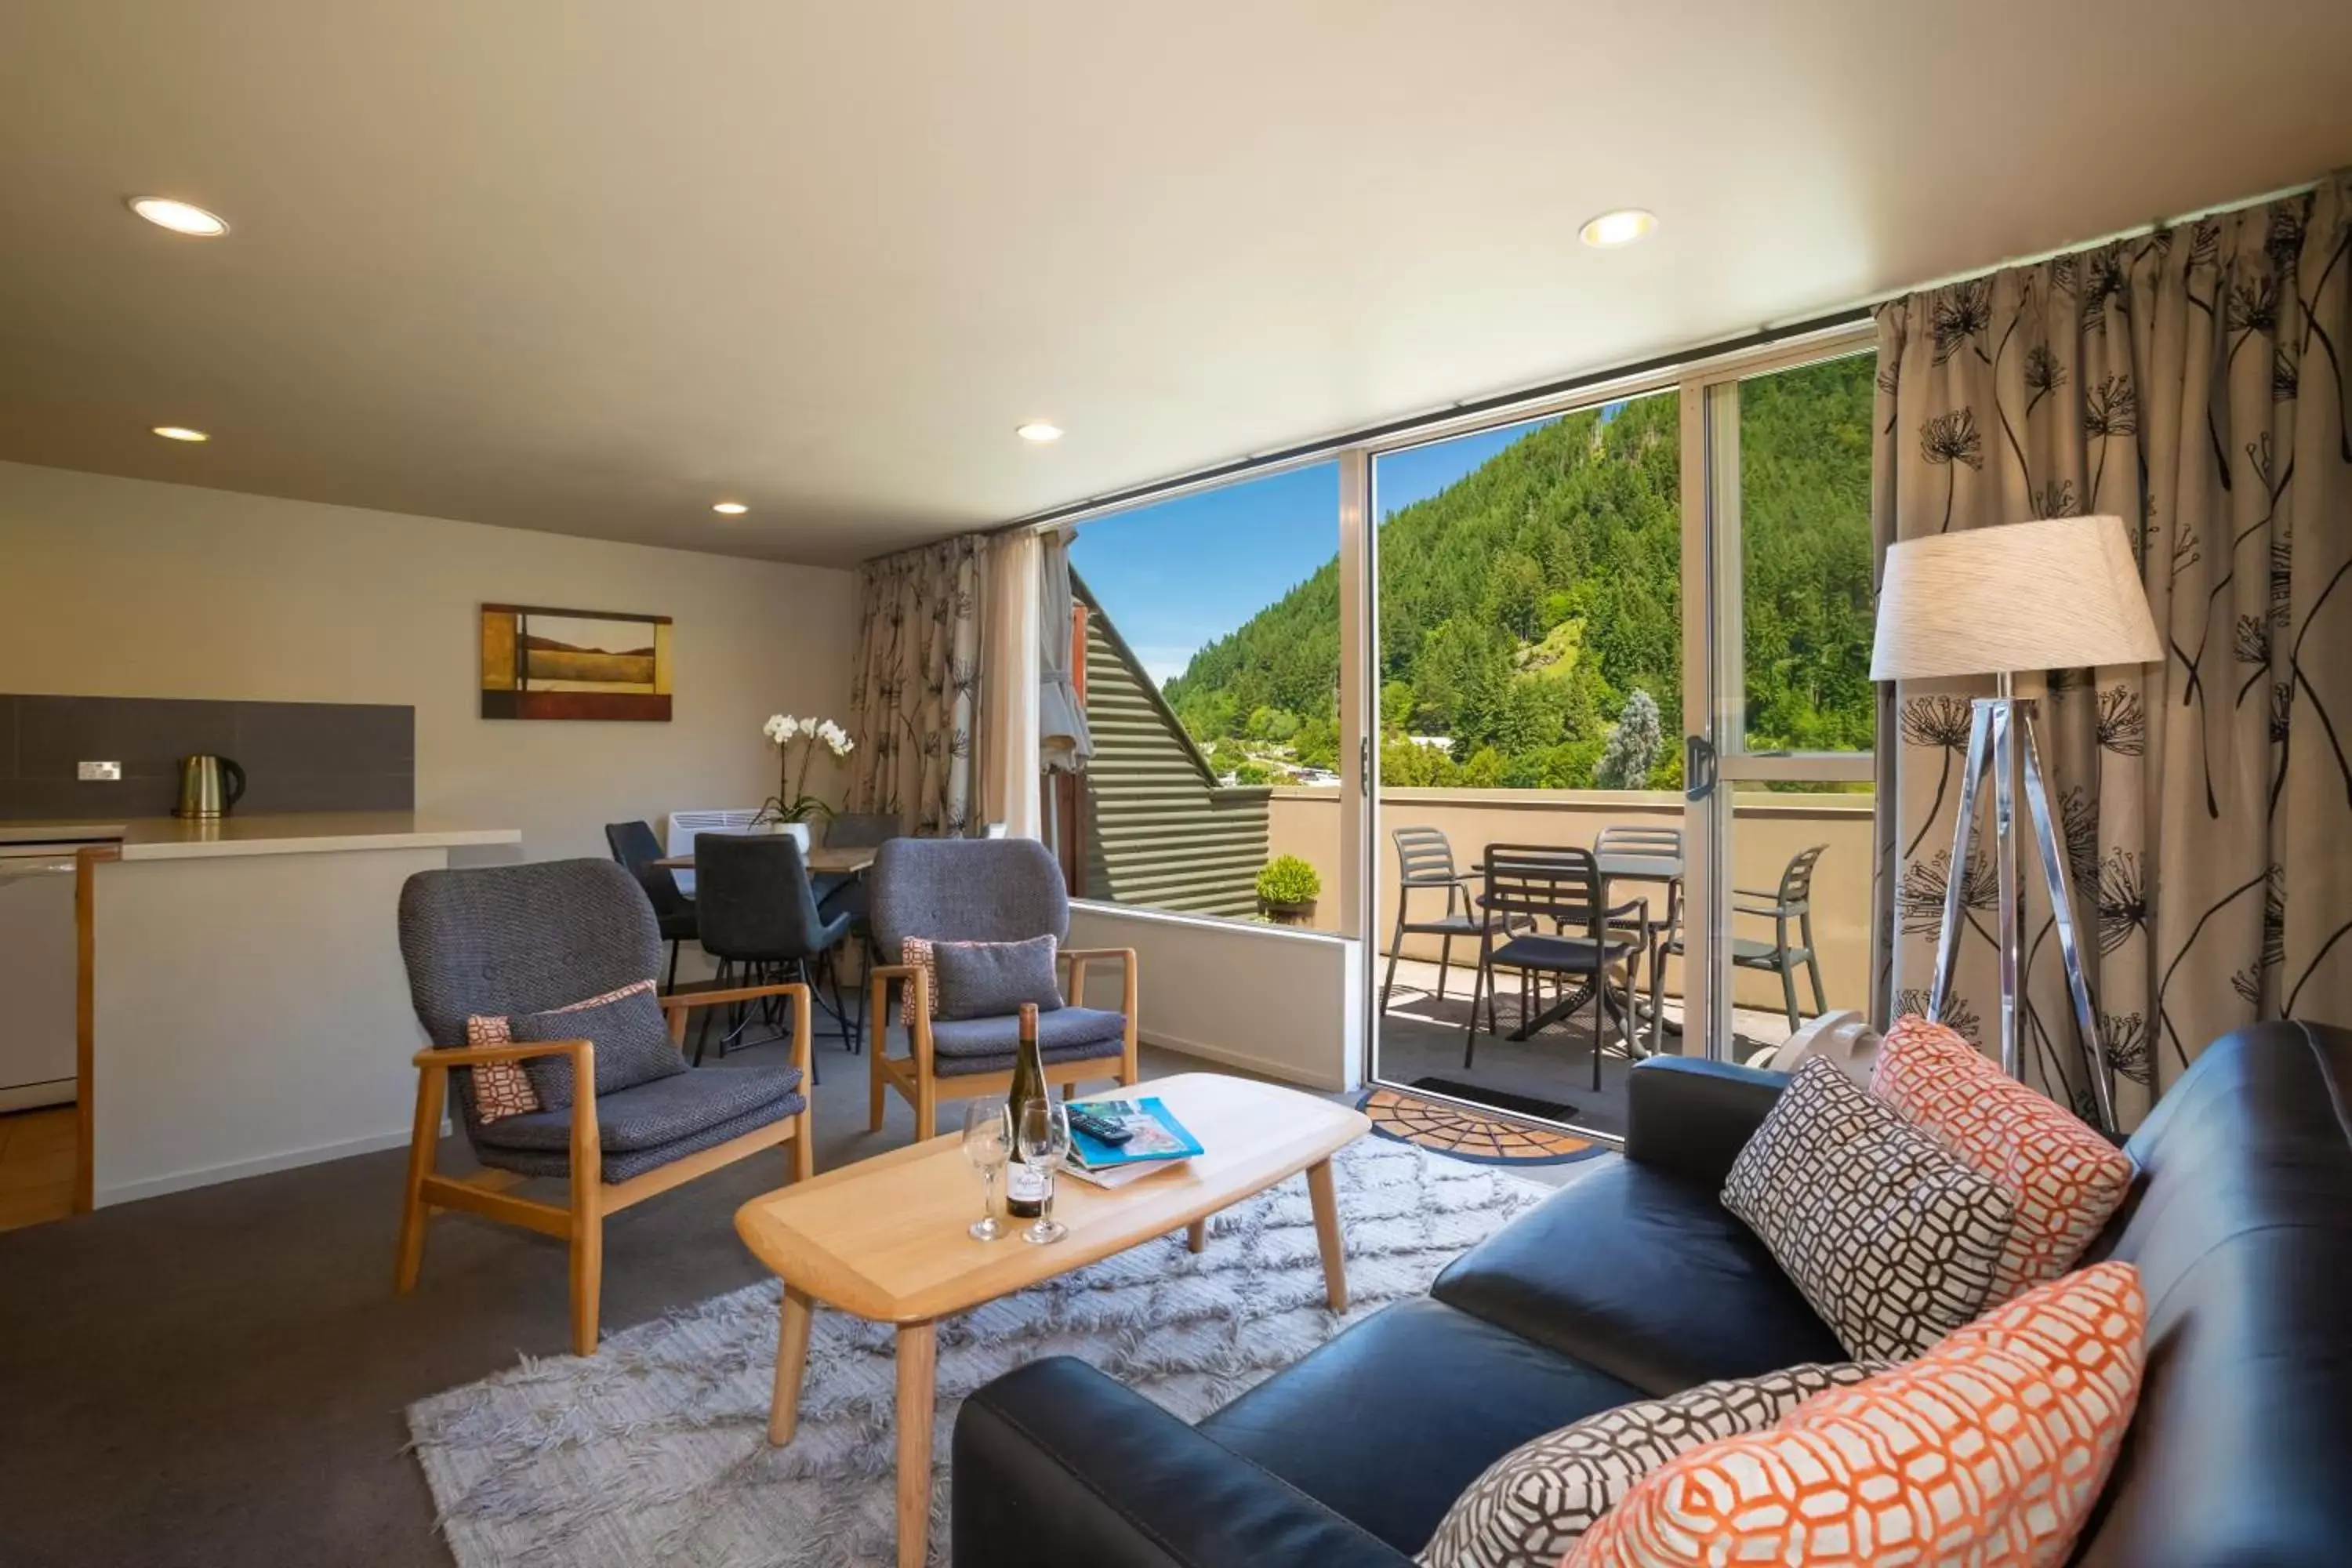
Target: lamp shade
(2054, 594)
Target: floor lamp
(2021, 599)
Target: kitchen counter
(302, 833)
(243, 1007)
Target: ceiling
(589, 266)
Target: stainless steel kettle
(208, 786)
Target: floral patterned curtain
(2194, 382)
(915, 694)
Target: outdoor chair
(1792, 905)
(515, 944)
(979, 891)
(635, 847)
(1559, 888)
(1663, 845)
(1426, 863)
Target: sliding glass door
(1637, 627)
(1783, 710)
(1528, 662)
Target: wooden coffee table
(885, 1238)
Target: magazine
(1155, 1137)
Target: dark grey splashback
(297, 756)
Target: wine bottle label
(1024, 1183)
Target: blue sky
(1183, 572)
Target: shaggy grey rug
(655, 1450)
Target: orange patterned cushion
(915, 953)
(503, 1089)
(1986, 1452)
(500, 1089)
(2063, 1179)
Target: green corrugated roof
(1161, 831)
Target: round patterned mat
(1468, 1134)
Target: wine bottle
(1025, 1184)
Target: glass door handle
(1698, 767)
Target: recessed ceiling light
(730, 508)
(180, 217)
(1623, 226)
(180, 433)
(1038, 430)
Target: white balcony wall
(1286, 1004)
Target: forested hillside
(1521, 606)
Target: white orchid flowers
(784, 728)
(791, 802)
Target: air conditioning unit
(684, 825)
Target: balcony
(1420, 1036)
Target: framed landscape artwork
(539, 663)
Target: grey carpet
(197, 1380)
(654, 1451)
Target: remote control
(1099, 1128)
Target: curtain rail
(1501, 404)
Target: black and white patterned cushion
(1532, 1504)
(1892, 1239)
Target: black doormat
(1523, 1104)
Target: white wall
(1287, 1003)
(113, 587)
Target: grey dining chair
(526, 944)
(990, 890)
(635, 847)
(758, 915)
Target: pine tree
(1633, 745)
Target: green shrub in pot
(1286, 889)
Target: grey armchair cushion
(962, 1046)
(619, 1166)
(966, 889)
(631, 1037)
(992, 979)
(1107, 1048)
(652, 1115)
(1062, 1027)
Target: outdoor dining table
(1664, 869)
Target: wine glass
(987, 1143)
(1044, 1139)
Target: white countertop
(293, 833)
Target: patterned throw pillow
(1532, 1504)
(2063, 1179)
(504, 1089)
(915, 953)
(1892, 1240)
(1986, 1452)
(500, 1089)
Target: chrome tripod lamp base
(2000, 736)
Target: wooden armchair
(515, 940)
(979, 889)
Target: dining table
(824, 861)
(1665, 870)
